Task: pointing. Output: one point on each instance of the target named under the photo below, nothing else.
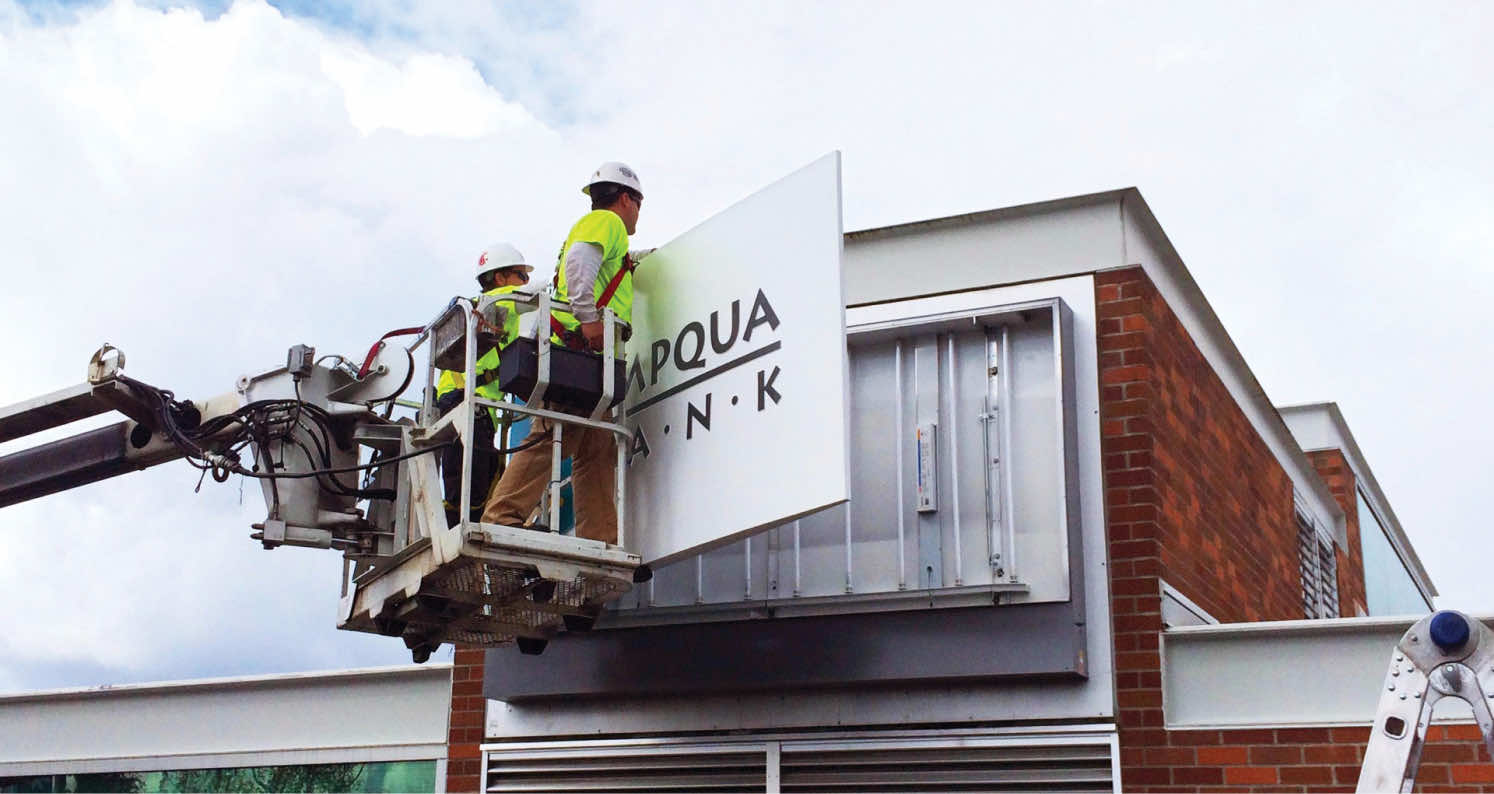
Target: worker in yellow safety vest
(594, 271)
(501, 269)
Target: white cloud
(205, 194)
(427, 95)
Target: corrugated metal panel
(958, 761)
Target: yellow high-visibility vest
(605, 229)
(486, 366)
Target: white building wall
(355, 716)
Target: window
(1389, 588)
(1319, 568)
(411, 776)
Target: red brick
(466, 688)
(1250, 736)
(1136, 586)
(1332, 754)
(1125, 374)
(1198, 775)
(1472, 773)
(1146, 775)
(1169, 756)
(1127, 444)
(1223, 755)
(467, 719)
(1275, 755)
(1125, 275)
(1143, 737)
(1135, 698)
(1462, 732)
(1346, 774)
(1303, 735)
(463, 751)
(1447, 753)
(1193, 737)
(1104, 293)
(1128, 623)
(1434, 773)
(468, 703)
(1247, 775)
(1141, 718)
(1351, 735)
(1307, 774)
(1121, 308)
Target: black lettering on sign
(693, 415)
(659, 357)
(639, 445)
(762, 314)
(636, 373)
(694, 360)
(765, 388)
(717, 345)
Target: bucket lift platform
(487, 584)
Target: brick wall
(467, 723)
(1194, 497)
(1303, 760)
(1335, 471)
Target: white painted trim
(1168, 591)
(164, 763)
(1315, 626)
(234, 682)
(1065, 730)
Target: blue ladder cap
(1449, 630)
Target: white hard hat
(616, 172)
(499, 256)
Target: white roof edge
(1313, 626)
(981, 216)
(1365, 475)
(232, 682)
(1169, 271)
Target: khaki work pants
(593, 455)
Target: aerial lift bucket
(488, 584)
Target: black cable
(301, 475)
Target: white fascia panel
(1284, 673)
(343, 714)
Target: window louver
(949, 768)
(662, 769)
(908, 764)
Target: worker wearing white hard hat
(501, 269)
(595, 271)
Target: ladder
(1444, 655)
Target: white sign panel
(737, 371)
